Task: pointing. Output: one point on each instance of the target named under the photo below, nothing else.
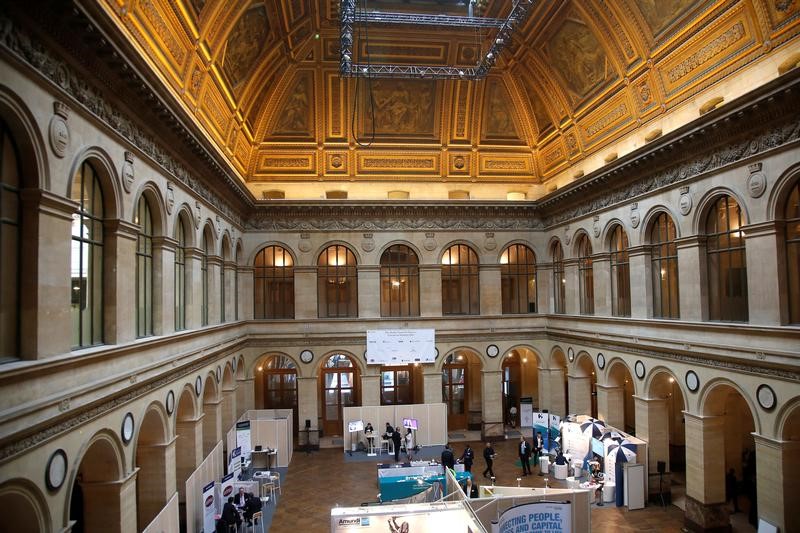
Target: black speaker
(661, 466)
(308, 423)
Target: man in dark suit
(448, 459)
(241, 499)
(525, 456)
(397, 439)
(468, 457)
(488, 455)
(230, 515)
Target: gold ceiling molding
(260, 77)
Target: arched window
(144, 269)
(9, 245)
(399, 282)
(792, 217)
(274, 283)
(225, 257)
(460, 272)
(87, 258)
(664, 267)
(205, 278)
(620, 273)
(280, 385)
(337, 283)
(518, 279)
(585, 275)
(180, 275)
(727, 267)
(340, 389)
(559, 278)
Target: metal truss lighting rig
(350, 19)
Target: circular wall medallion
(766, 397)
(56, 471)
(307, 356)
(219, 373)
(437, 352)
(492, 350)
(685, 204)
(571, 354)
(127, 428)
(692, 381)
(170, 402)
(639, 369)
(601, 361)
(198, 385)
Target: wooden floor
(317, 482)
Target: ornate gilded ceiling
(260, 77)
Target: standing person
(397, 439)
(488, 455)
(538, 444)
(409, 442)
(230, 516)
(468, 457)
(512, 415)
(732, 489)
(525, 456)
(448, 459)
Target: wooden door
(454, 394)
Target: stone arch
(650, 216)
(582, 377)
(212, 424)
(28, 139)
(251, 259)
(207, 230)
(787, 421)
(151, 456)
(275, 383)
(558, 367)
(26, 507)
(573, 246)
(619, 388)
(336, 242)
(338, 386)
(157, 209)
(389, 244)
(472, 246)
(520, 377)
(187, 445)
(238, 252)
(661, 422)
(708, 199)
(226, 248)
(550, 242)
(108, 176)
(184, 215)
(608, 229)
(536, 255)
(712, 399)
(462, 392)
(779, 192)
(657, 384)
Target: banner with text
(209, 507)
(226, 489)
(400, 346)
(537, 516)
(243, 437)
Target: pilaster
(307, 404)
(492, 403)
(490, 291)
(432, 382)
(229, 267)
(641, 285)
(572, 303)
(246, 287)
(580, 394)
(119, 291)
(611, 405)
(430, 290)
(305, 293)
(113, 505)
(212, 425)
(777, 464)
(369, 291)
(601, 271)
(370, 389)
(765, 273)
(245, 395)
(544, 290)
(652, 426)
(163, 285)
(155, 482)
(214, 264)
(551, 390)
(194, 287)
(189, 451)
(705, 474)
(692, 278)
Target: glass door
(454, 394)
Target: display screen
(410, 423)
(357, 425)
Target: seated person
(241, 499)
(388, 433)
(230, 516)
(596, 477)
(252, 506)
(560, 459)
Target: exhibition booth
(265, 437)
(401, 481)
(430, 420)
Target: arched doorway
(616, 404)
(95, 503)
(401, 384)
(276, 386)
(790, 483)
(152, 490)
(340, 388)
(583, 387)
(186, 446)
(461, 390)
(559, 383)
(211, 420)
(663, 408)
(520, 374)
(26, 511)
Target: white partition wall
(431, 418)
(167, 520)
(211, 469)
(269, 428)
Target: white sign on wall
(536, 516)
(400, 346)
(209, 507)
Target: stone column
(652, 425)
(601, 265)
(119, 287)
(246, 288)
(432, 381)
(430, 290)
(155, 482)
(46, 285)
(371, 389)
(490, 292)
(491, 403)
(188, 451)
(555, 400)
(308, 408)
(212, 426)
(305, 292)
(765, 272)
(229, 267)
(544, 289)
(228, 409)
(580, 395)
(611, 405)
(113, 505)
(245, 395)
(369, 291)
(692, 278)
(194, 288)
(214, 304)
(572, 303)
(163, 285)
(641, 286)
(777, 485)
(705, 473)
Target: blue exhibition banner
(536, 516)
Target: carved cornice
(387, 216)
(61, 75)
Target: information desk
(396, 482)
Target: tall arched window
(620, 273)
(280, 385)
(340, 389)
(399, 281)
(337, 283)
(664, 267)
(585, 275)
(274, 283)
(559, 278)
(87, 258)
(226, 254)
(9, 244)
(518, 279)
(727, 266)
(791, 215)
(180, 275)
(204, 281)
(460, 271)
(144, 269)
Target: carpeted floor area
(425, 453)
